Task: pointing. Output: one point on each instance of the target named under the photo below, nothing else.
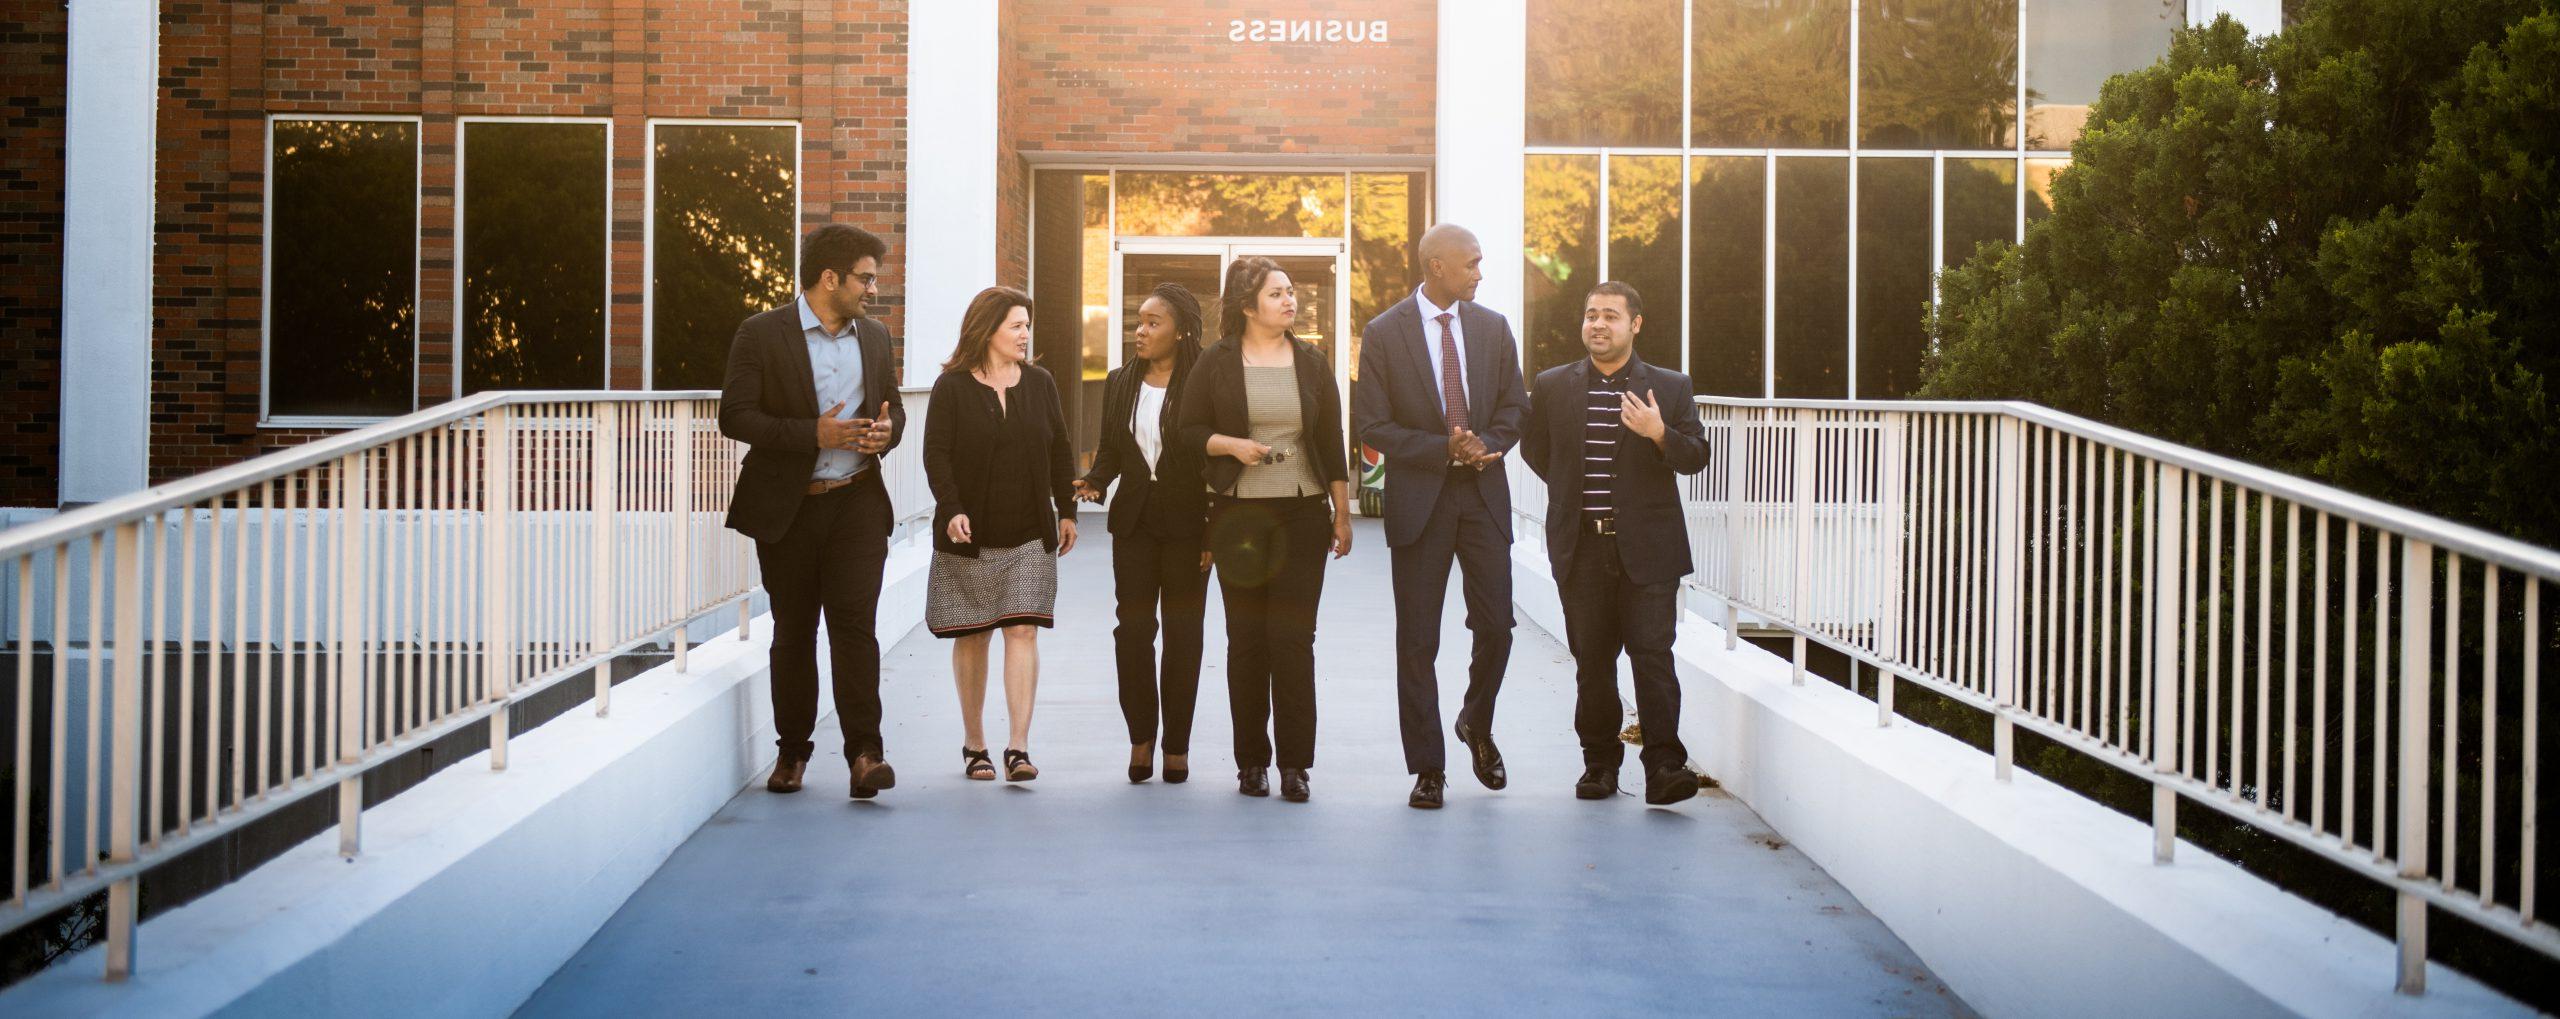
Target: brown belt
(824, 487)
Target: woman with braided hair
(1157, 563)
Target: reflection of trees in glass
(2074, 45)
(1604, 72)
(1982, 197)
(343, 256)
(1770, 73)
(1384, 216)
(1562, 246)
(1938, 73)
(1094, 336)
(1644, 248)
(1727, 253)
(533, 250)
(1813, 277)
(1893, 275)
(1172, 204)
(2039, 196)
(723, 241)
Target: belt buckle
(1606, 527)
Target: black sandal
(975, 764)
(1018, 767)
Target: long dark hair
(978, 325)
(1245, 277)
(1186, 329)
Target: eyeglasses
(867, 280)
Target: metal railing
(2358, 679)
(216, 648)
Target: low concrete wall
(2025, 897)
(475, 886)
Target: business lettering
(1312, 30)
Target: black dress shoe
(1253, 781)
(1488, 761)
(1293, 784)
(1670, 785)
(1599, 782)
(1426, 790)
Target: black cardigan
(962, 424)
(1213, 403)
(1171, 504)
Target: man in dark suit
(812, 390)
(1609, 434)
(1439, 396)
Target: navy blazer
(1395, 409)
(769, 400)
(1652, 526)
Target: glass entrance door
(1316, 268)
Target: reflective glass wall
(1785, 186)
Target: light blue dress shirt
(835, 362)
(1431, 342)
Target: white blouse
(1147, 423)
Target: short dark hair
(1635, 302)
(837, 246)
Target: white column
(951, 173)
(106, 248)
(1482, 125)
(2260, 17)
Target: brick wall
(836, 66)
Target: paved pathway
(1080, 893)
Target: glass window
(1893, 275)
(1727, 271)
(1177, 204)
(1386, 218)
(342, 250)
(533, 256)
(1644, 248)
(2074, 45)
(1982, 205)
(1938, 74)
(1070, 290)
(723, 239)
(1561, 242)
(2040, 173)
(1604, 72)
(1770, 73)
(1813, 277)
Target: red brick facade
(836, 66)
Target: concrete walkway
(1081, 893)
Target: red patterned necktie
(1453, 390)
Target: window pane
(1604, 72)
(1386, 217)
(1171, 204)
(1982, 205)
(1938, 74)
(533, 251)
(1727, 231)
(1813, 277)
(1093, 334)
(1893, 275)
(1562, 245)
(2074, 45)
(1770, 73)
(343, 269)
(1070, 266)
(2040, 186)
(722, 242)
(1644, 248)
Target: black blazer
(961, 423)
(1395, 409)
(1213, 404)
(769, 400)
(1171, 502)
(1653, 531)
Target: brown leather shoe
(870, 775)
(786, 776)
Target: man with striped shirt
(1611, 434)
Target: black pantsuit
(829, 561)
(1462, 530)
(1271, 558)
(1150, 572)
(1606, 614)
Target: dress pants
(1148, 574)
(1605, 614)
(828, 562)
(1463, 528)
(1270, 560)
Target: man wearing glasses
(812, 392)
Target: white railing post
(1802, 497)
(125, 775)
(1737, 449)
(1889, 531)
(2168, 724)
(497, 577)
(684, 448)
(353, 665)
(606, 478)
(2417, 598)
(2009, 503)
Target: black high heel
(1018, 767)
(1145, 768)
(974, 763)
(1177, 774)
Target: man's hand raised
(835, 433)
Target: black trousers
(1462, 528)
(1270, 559)
(829, 562)
(1604, 614)
(1149, 573)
